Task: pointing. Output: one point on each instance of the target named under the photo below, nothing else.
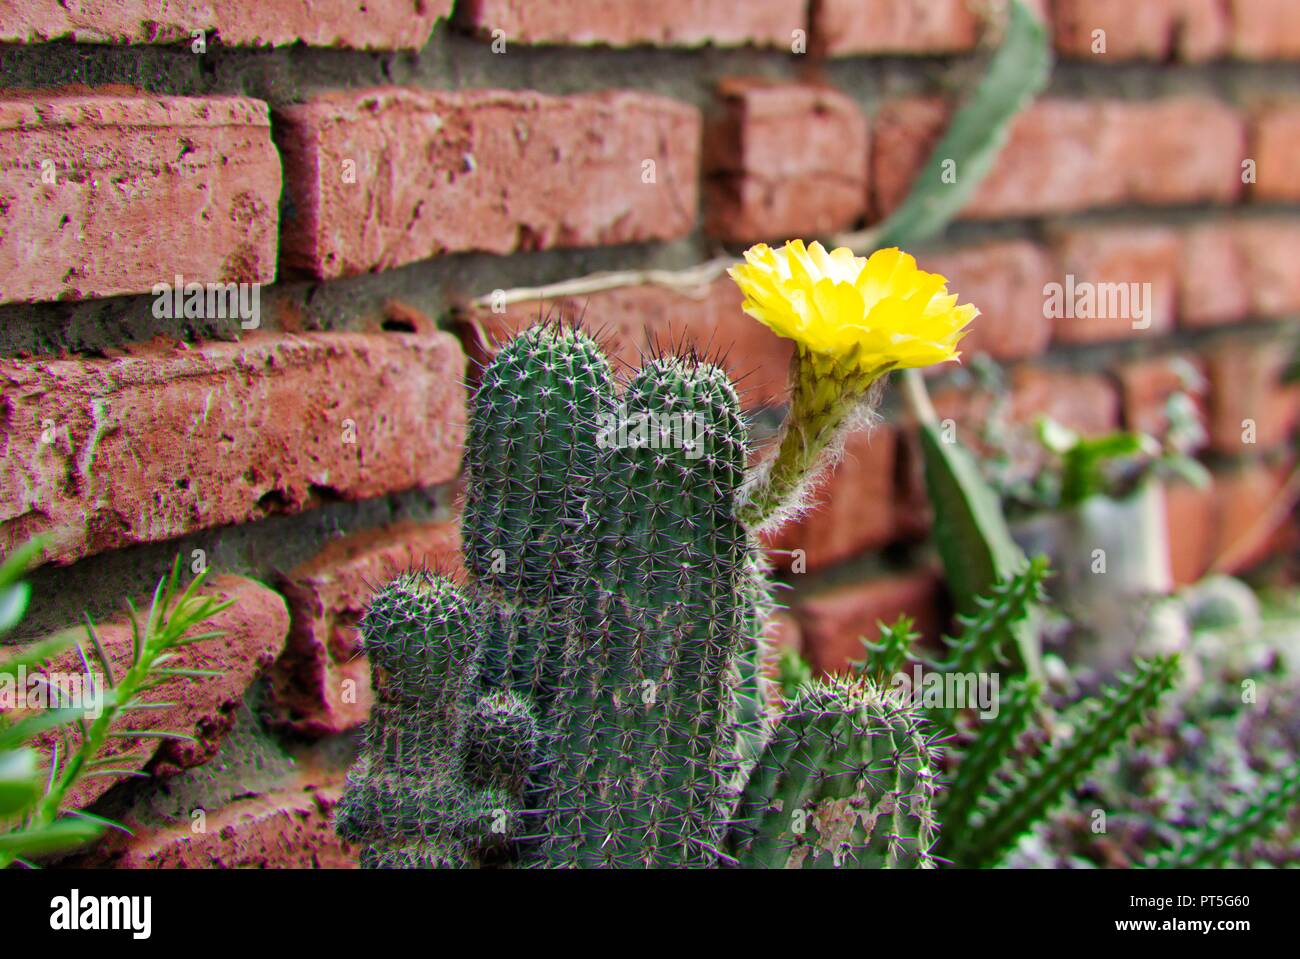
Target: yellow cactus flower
(854, 319)
(867, 315)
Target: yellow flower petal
(869, 314)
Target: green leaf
(21, 784)
(1017, 72)
(13, 604)
(29, 728)
(37, 654)
(57, 836)
(1083, 462)
(971, 534)
(20, 560)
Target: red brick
(1189, 30)
(835, 621)
(1275, 148)
(904, 131)
(174, 439)
(1265, 29)
(913, 515)
(631, 321)
(1212, 282)
(252, 634)
(1069, 155)
(844, 27)
(1235, 270)
(1191, 516)
(376, 24)
(288, 828)
(1147, 385)
(1086, 402)
(665, 23)
(1252, 523)
(490, 170)
(145, 188)
(1246, 384)
(1177, 150)
(1110, 260)
(1005, 280)
(1270, 250)
(321, 685)
(784, 160)
(852, 508)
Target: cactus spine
(591, 697)
(848, 779)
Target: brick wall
(369, 173)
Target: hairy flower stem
(827, 402)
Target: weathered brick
(252, 634)
(835, 621)
(1265, 29)
(1147, 385)
(1191, 518)
(287, 828)
(375, 24)
(853, 507)
(1252, 514)
(1173, 150)
(108, 193)
(784, 160)
(904, 131)
(1006, 281)
(845, 27)
(1270, 250)
(632, 321)
(1239, 269)
(913, 514)
(1086, 402)
(1250, 407)
(172, 439)
(321, 685)
(1190, 30)
(1114, 283)
(382, 177)
(1275, 148)
(1064, 156)
(665, 23)
(1212, 280)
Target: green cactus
(849, 778)
(593, 696)
(439, 782)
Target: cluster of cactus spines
(593, 696)
(645, 727)
(437, 785)
(531, 462)
(848, 779)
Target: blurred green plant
(1021, 761)
(1017, 72)
(33, 789)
